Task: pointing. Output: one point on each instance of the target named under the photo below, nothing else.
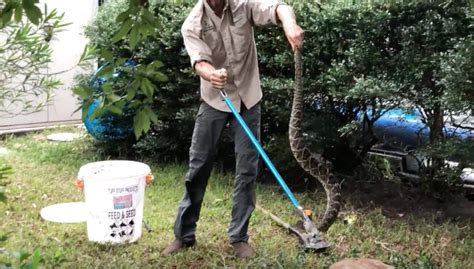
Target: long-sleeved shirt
(228, 42)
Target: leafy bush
(362, 62)
(359, 62)
(25, 54)
(175, 102)
(457, 73)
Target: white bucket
(114, 195)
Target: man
(218, 36)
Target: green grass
(44, 173)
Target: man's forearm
(286, 15)
(204, 69)
(293, 31)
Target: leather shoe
(243, 250)
(176, 246)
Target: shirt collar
(209, 10)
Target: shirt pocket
(241, 32)
(210, 37)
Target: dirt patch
(397, 200)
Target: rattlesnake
(313, 163)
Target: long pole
(261, 151)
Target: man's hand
(295, 35)
(219, 78)
(293, 31)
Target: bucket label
(122, 229)
(129, 189)
(123, 201)
(122, 216)
(119, 215)
(122, 224)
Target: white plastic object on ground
(74, 212)
(3, 151)
(63, 137)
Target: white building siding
(67, 49)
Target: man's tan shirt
(228, 42)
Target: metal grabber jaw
(310, 237)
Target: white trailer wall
(67, 49)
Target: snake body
(315, 164)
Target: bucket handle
(149, 178)
(79, 182)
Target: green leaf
(35, 261)
(30, 2)
(106, 54)
(33, 13)
(18, 13)
(112, 97)
(131, 92)
(137, 125)
(156, 64)
(82, 91)
(151, 114)
(123, 16)
(120, 104)
(6, 15)
(147, 87)
(98, 112)
(85, 108)
(106, 71)
(160, 76)
(145, 121)
(149, 17)
(134, 35)
(134, 6)
(144, 29)
(153, 67)
(107, 88)
(120, 61)
(50, 15)
(115, 109)
(146, 125)
(124, 29)
(88, 53)
(142, 122)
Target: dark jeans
(207, 131)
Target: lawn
(406, 235)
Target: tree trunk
(436, 125)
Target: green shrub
(24, 52)
(175, 101)
(358, 61)
(362, 61)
